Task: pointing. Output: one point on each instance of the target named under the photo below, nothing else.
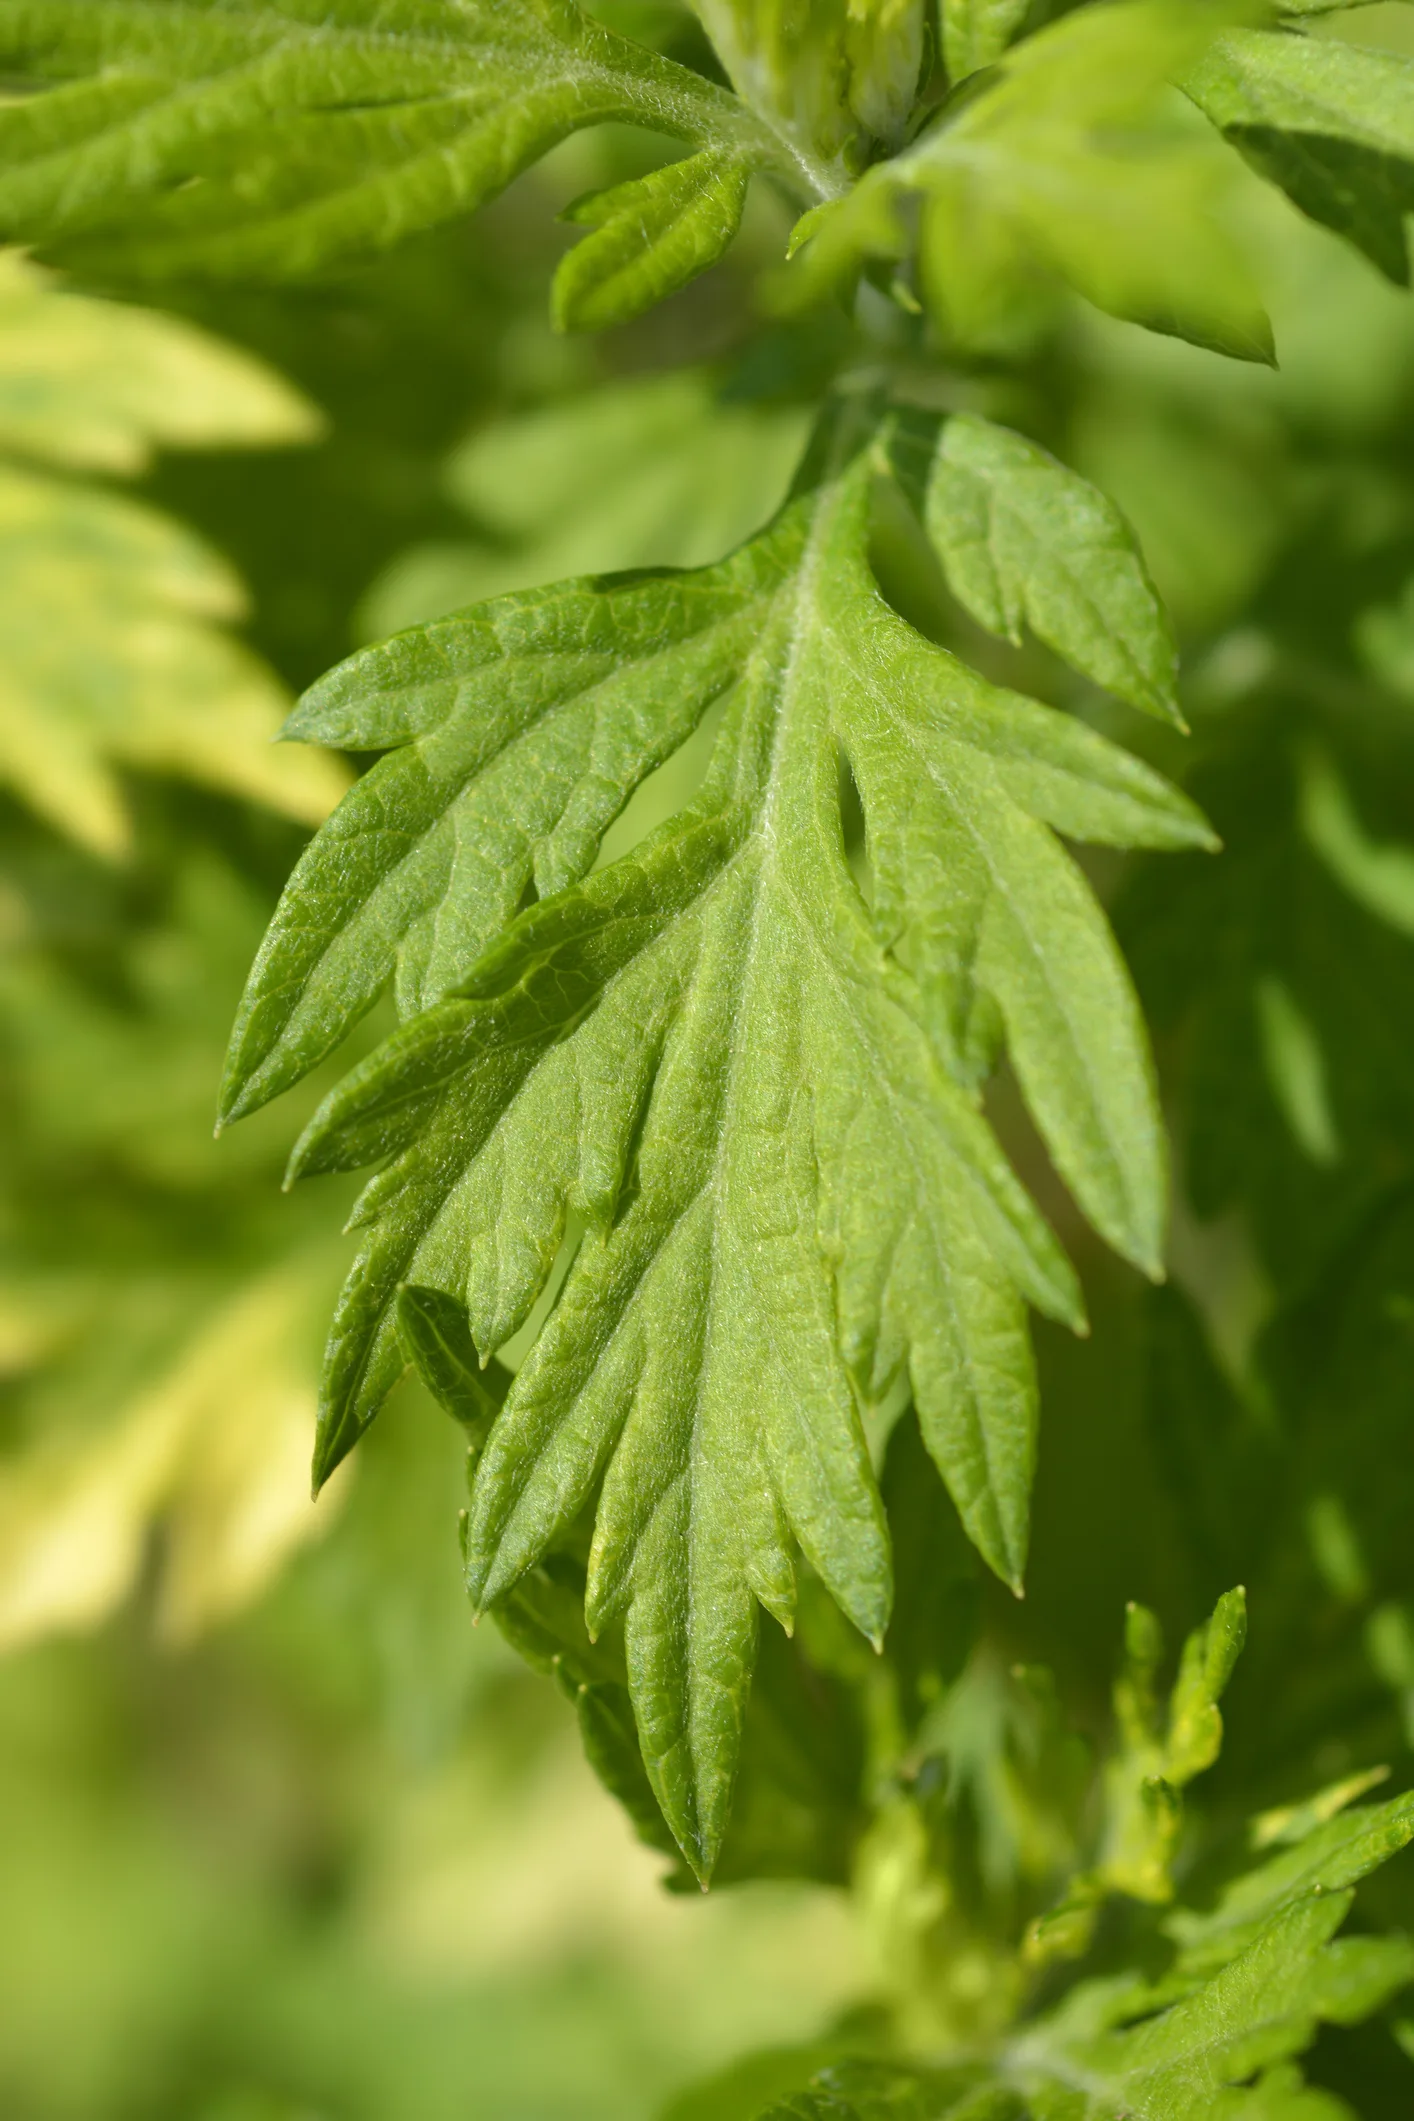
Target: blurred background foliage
(282, 1838)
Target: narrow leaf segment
(1021, 538)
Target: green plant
(755, 1027)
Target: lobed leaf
(651, 236)
(1198, 2045)
(1155, 1760)
(1227, 2045)
(753, 1086)
(1334, 1854)
(273, 136)
(797, 1811)
(515, 732)
(1022, 538)
(1225, 2048)
(1250, 1984)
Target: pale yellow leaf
(216, 1450)
(111, 658)
(98, 385)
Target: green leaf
(516, 732)
(753, 1084)
(1251, 1981)
(797, 1812)
(1333, 1855)
(439, 1345)
(1067, 167)
(1246, 1989)
(1195, 1726)
(273, 138)
(1022, 538)
(543, 1618)
(651, 236)
(1186, 2062)
(799, 1805)
(977, 32)
(1331, 123)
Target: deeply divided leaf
(753, 1086)
(1022, 538)
(275, 135)
(1217, 2035)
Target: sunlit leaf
(215, 1451)
(97, 386)
(731, 1065)
(1218, 2034)
(1332, 123)
(1022, 538)
(116, 654)
(1070, 166)
(651, 236)
(273, 138)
